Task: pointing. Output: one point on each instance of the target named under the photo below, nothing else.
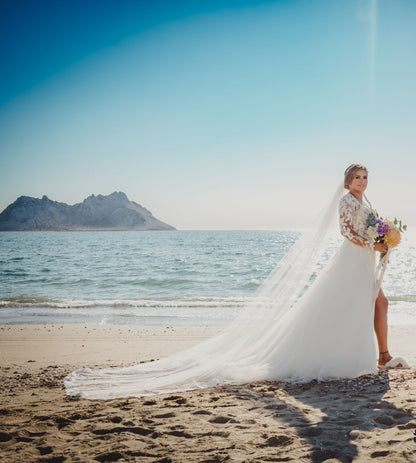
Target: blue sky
(238, 114)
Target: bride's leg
(380, 327)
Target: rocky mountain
(112, 212)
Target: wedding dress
(298, 328)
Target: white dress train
(294, 331)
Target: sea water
(156, 277)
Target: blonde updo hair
(350, 172)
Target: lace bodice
(352, 219)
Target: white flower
(372, 232)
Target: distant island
(112, 212)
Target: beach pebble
(355, 434)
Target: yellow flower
(393, 238)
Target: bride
(298, 328)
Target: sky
(212, 114)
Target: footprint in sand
(386, 420)
(202, 412)
(120, 429)
(166, 415)
(180, 434)
(78, 416)
(322, 455)
(109, 456)
(400, 414)
(222, 420)
(278, 441)
(177, 399)
(310, 432)
(150, 402)
(181, 401)
(23, 436)
(380, 453)
(5, 437)
(410, 425)
(173, 397)
(115, 419)
(61, 421)
(281, 406)
(46, 450)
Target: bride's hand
(381, 247)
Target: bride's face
(359, 181)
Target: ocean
(157, 278)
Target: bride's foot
(385, 357)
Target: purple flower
(383, 229)
(379, 221)
(386, 228)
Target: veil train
(242, 351)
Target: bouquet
(385, 231)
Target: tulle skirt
(331, 333)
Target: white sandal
(394, 364)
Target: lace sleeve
(348, 209)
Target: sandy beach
(372, 418)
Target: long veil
(240, 352)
